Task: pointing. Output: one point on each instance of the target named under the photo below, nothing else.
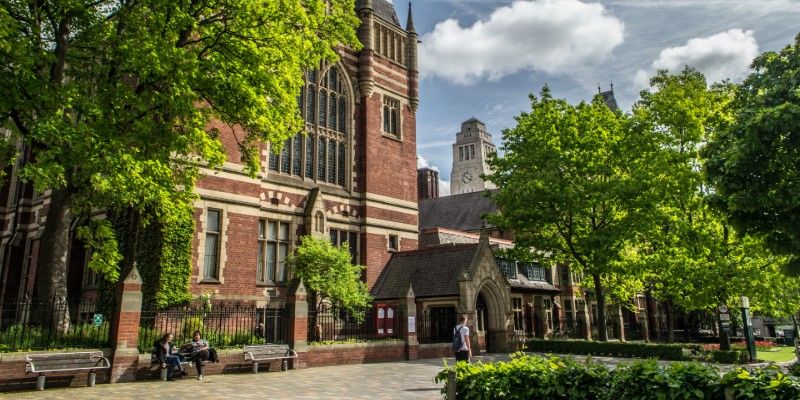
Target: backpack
(458, 341)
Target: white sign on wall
(412, 324)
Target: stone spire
(410, 20)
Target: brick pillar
(410, 324)
(620, 331)
(297, 304)
(582, 317)
(125, 328)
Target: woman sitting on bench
(164, 355)
(201, 351)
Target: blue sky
(483, 58)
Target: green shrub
(737, 356)
(530, 377)
(612, 349)
(794, 369)
(556, 378)
(763, 383)
(191, 324)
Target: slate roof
(459, 211)
(432, 271)
(383, 9)
(522, 282)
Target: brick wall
(320, 356)
(436, 350)
(14, 378)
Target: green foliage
(764, 383)
(735, 356)
(24, 338)
(326, 270)
(191, 324)
(117, 96)
(794, 369)
(690, 254)
(553, 378)
(755, 162)
(98, 237)
(573, 182)
(613, 349)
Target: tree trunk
(670, 321)
(53, 261)
(602, 324)
(649, 307)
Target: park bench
(65, 362)
(268, 352)
(186, 355)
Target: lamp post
(748, 328)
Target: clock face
(467, 177)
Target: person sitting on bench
(201, 351)
(163, 353)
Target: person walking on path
(461, 344)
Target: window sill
(210, 281)
(396, 138)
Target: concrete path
(392, 380)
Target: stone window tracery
(321, 155)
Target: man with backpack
(461, 340)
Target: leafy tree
(691, 256)
(116, 97)
(573, 181)
(754, 164)
(327, 272)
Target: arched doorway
(482, 318)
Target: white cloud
(726, 55)
(544, 35)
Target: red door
(385, 320)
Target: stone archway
(491, 313)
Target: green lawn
(777, 354)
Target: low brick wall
(14, 378)
(436, 350)
(357, 353)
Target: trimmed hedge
(536, 377)
(729, 357)
(673, 352)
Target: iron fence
(332, 324)
(220, 325)
(436, 325)
(39, 325)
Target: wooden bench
(267, 353)
(164, 371)
(65, 362)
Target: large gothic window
(322, 154)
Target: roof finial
(612, 86)
(410, 20)
(599, 90)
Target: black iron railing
(39, 325)
(220, 325)
(331, 324)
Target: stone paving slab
(382, 381)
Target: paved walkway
(382, 381)
(392, 380)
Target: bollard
(451, 385)
(164, 372)
(92, 378)
(40, 382)
(255, 367)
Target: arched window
(322, 155)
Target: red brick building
(352, 178)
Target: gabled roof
(432, 271)
(459, 211)
(383, 9)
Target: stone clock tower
(470, 152)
